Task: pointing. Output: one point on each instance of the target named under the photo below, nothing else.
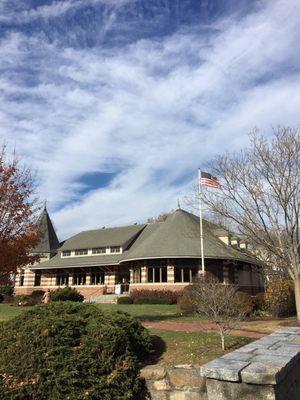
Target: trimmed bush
(7, 290)
(246, 300)
(152, 300)
(124, 300)
(74, 351)
(169, 295)
(66, 294)
(185, 303)
(280, 298)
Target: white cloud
(152, 112)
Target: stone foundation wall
(174, 383)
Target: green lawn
(176, 348)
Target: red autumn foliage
(18, 228)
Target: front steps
(105, 298)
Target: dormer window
(99, 250)
(66, 253)
(81, 252)
(115, 249)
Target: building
(161, 255)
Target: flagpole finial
(178, 205)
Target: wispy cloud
(149, 112)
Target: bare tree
(260, 195)
(218, 302)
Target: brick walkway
(196, 327)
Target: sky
(115, 104)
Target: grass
(176, 348)
(8, 311)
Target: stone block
(177, 395)
(221, 390)
(180, 377)
(153, 372)
(238, 356)
(223, 369)
(262, 374)
(161, 385)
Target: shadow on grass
(159, 347)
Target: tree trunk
(222, 338)
(297, 297)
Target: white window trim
(90, 252)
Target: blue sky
(116, 103)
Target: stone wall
(182, 382)
(267, 369)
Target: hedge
(169, 295)
(66, 350)
(152, 300)
(124, 300)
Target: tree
(219, 303)
(18, 229)
(260, 195)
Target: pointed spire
(178, 205)
(49, 242)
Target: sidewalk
(199, 327)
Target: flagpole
(200, 220)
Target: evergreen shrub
(66, 294)
(66, 350)
(124, 300)
(8, 290)
(280, 298)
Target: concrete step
(104, 299)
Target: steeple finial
(178, 205)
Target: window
(79, 278)
(37, 279)
(62, 279)
(136, 275)
(21, 281)
(99, 250)
(66, 253)
(157, 274)
(81, 252)
(115, 249)
(97, 278)
(184, 273)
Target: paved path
(197, 327)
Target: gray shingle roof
(49, 242)
(103, 237)
(176, 237)
(179, 236)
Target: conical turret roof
(49, 242)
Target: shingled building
(161, 255)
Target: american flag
(209, 180)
